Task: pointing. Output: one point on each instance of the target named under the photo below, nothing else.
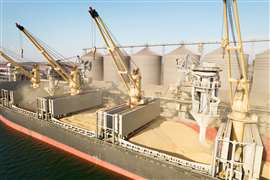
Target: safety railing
(75, 129)
(70, 127)
(23, 111)
(202, 168)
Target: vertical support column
(11, 96)
(214, 162)
(232, 160)
(97, 123)
(5, 97)
(105, 125)
(2, 97)
(9, 72)
(113, 128)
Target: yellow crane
(34, 75)
(239, 98)
(131, 80)
(73, 78)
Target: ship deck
(172, 137)
(109, 153)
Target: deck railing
(202, 168)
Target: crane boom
(115, 52)
(34, 76)
(238, 147)
(239, 98)
(43, 51)
(132, 80)
(17, 65)
(237, 47)
(73, 79)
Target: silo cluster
(149, 64)
(110, 70)
(175, 62)
(260, 89)
(170, 69)
(220, 57)
(94, 61)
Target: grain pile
(85, 120)
(175, 138)
(112, 95)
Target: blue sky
(66, 25)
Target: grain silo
(110, 70)
(260, 89)
(181, 57)
(149, 64)
(219, 57)
(94, 65)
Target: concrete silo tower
(110, 71)
(176, 61)
(260, 88)
(149, 64)
(94, 65)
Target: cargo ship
(153, 130)
(125, 158)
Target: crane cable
(93, 38)
(123, 53)
(55, 54)
(57, 57)
(21, 45)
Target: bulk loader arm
(73, 79)
(131, 80)
(238, 149)
(34, 75)
(239, 98)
